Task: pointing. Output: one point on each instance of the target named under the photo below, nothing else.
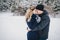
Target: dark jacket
(42, 27)
(32, 23)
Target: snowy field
(14, 27)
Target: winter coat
(42, 26)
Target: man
(43, 26)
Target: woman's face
(38, 11)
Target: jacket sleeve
(32, 23)
(44, 22)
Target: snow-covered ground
(6, 14)
(14, 28)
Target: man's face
(38, 11)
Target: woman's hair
(29, 12)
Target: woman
(32, 35)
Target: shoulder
(45, 17)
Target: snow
(54, 32)
(6, 14)
(14, 27)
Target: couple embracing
(38, 22)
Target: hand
(35, 12)
(28, 29)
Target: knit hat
(40, 7)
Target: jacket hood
(45, 12)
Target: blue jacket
(42, 27)
(32, 23)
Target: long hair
(29, 12)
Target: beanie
(40, 7)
